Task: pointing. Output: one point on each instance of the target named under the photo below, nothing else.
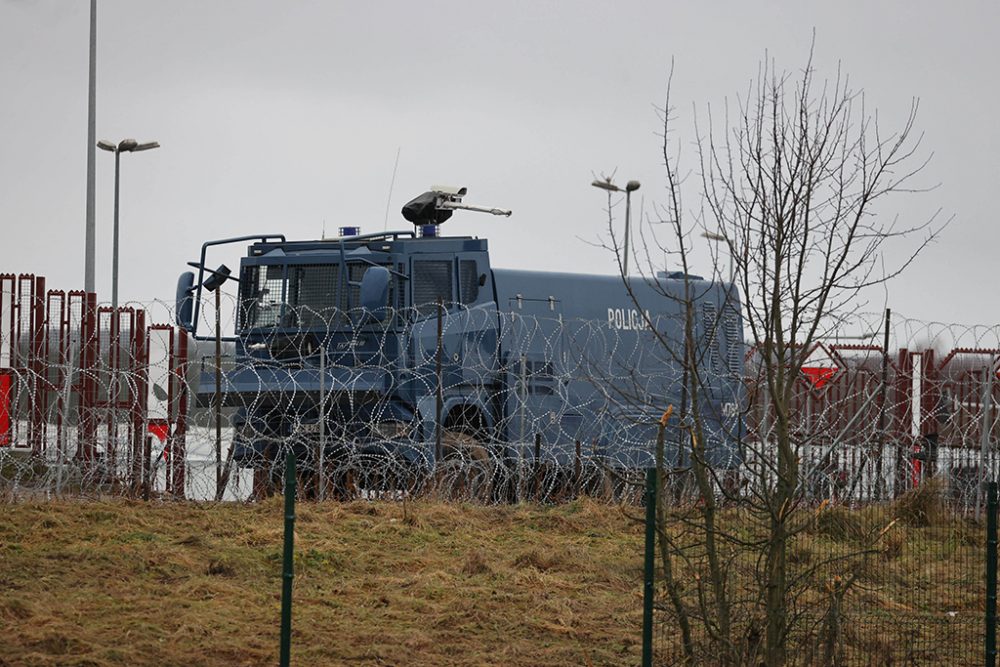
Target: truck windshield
(296, 295)
(308, 290)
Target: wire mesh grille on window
(248, 297)
(271, 296)
(468, 281)
(711, 324)
(312, 294)
(398, 299)
(734, 343)
(431, 282)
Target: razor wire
(534, 405)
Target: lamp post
(712, 236)
(89, 231)
(128, 146)
(124, 146)
(629, 188)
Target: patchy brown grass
(435, 583)
(127, 583)
(903, 580)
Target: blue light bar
(350, 231)
(428, 231)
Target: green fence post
(649, 569)
(288, 569)
(991, 575)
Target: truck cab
(350, 326)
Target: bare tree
(792, 181)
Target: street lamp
(712, 236)
(629, 188)
(124, 146)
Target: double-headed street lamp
(124, 146)
(629, 188)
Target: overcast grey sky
(278, 116)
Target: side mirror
(184, 305)
(375, 289)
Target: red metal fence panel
(69, 368)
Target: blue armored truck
(411, 346)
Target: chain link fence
(532, 404)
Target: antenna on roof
(437, 204)
(388, 200)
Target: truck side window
(431, 281)
(468, 281)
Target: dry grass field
(127, 583)
(436, 583)
(901, 583)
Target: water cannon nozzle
(437, 205)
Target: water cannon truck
(411, 346)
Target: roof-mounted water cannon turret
(435, 206)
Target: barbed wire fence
(886, 550)
(466, 404)
(530, 408)
(102, 405)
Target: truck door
(469, 319)
(536, 391)
(476, 319)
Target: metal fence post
(649, 569)
(991, 575)
(576, 471)
(288, 570)
(321, 454)
(536, 473)
(439, 395)
(219, 490)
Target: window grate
(271, 298)
(711, 325)
(734, 344)
(431, 282)
(248, 297)
(400, 294)
(312, 294)
(468, 281)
